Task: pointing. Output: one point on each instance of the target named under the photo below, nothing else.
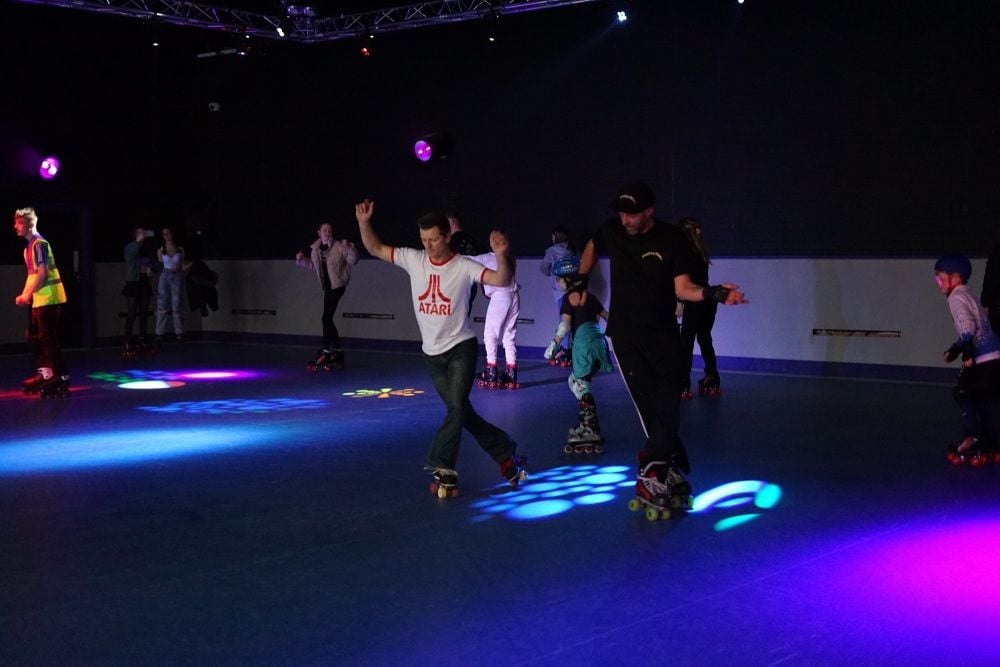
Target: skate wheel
(598, 449)
(480, 384)
(588, 449)
(652, 514)
(634, 505)
(568, 448)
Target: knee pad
(580, 388)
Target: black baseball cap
(633, 198)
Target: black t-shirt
(587, 312)
(643, 268)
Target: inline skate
(585, 437)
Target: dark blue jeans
(452, 373)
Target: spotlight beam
(307, 29)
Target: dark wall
(787, 128)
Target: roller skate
(709, 385)
(33, 385)
(323, 362)
(512, 469)
(337, 359)
(686, 394)
(508, 379)
(969, 452)
(585, 437)
(562, 358)
(488, 379)
(56, 386)
(660, 489)
(130, 350)
(445, 483)
(148, 348)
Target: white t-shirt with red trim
(440, 296)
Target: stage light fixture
(436, 146)
(48, 168)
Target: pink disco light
(49, 168)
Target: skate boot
(56, 386)
(323, 361)
(508, 379)
(686, 390)
(33, 385)
(445, 484)
(337, 359)
(129, 351)
(709, 385)
(512, 469)
(562, 358)
(969, 451)
(585, 437)
(147, 348)
(659, 489)
(488, 379)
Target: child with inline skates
(579, 313)
(978, 390)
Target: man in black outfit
(651, 264)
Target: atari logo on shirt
(433, 301)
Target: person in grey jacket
(331, 259)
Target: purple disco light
(49, 168)
(423, 150)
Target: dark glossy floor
(282, 517)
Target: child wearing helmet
(979, 378)
(579, 314)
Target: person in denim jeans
(440, 283)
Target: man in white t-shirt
(440, 281)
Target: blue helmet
(566, 266)
(955, 264)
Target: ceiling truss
(299, 22)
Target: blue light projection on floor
(123, 447)
(237, 406)
(558, 490)
(762, 495)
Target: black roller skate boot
(512, 469)
(56, 386)
(508, 379)
(686, 390)
(33, 385)
(445, 483)
(659, 489)
(970, 451)
(337, 359)
(585, 437)
(563, 358)
(488, 379)
(709, 385)
(322, 362)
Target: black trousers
(44, 332)
(649, 363)
(331, 298)
(697, 323)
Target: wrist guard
(715, 293)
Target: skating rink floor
(251, 512)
